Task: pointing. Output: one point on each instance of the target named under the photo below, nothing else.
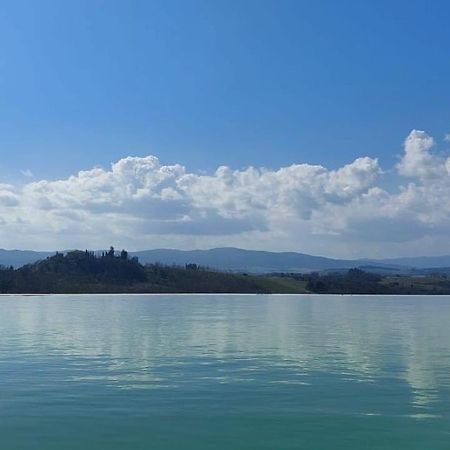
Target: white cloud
(27, 173)
(140, 203)
(418, 161)
(8, 197)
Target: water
(224, 372)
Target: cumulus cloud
(418, 161)
(7, 195)
(139, 202)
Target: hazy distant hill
(235, 259)
(422, 262)
(19, 258)
(248, 260)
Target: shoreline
(203, 294)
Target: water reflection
(144, 341)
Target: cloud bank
(139, 203)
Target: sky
(321, 127)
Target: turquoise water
(224, 372)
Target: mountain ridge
(243, 260)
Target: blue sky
(204, 83)
(211, 83)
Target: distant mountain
(17, 258)
(235, 259)
(252, 261)
(421, 262)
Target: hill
(251, 261)
(87, 272)
(108, 272)
(254, 261)
(421, 262)
(18, 258)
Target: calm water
(224, 372)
